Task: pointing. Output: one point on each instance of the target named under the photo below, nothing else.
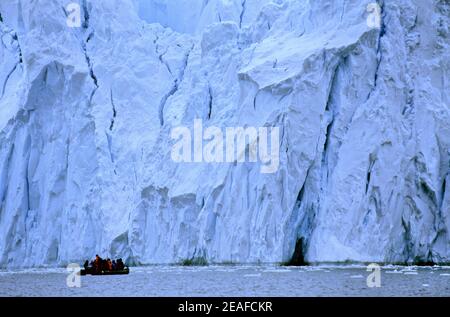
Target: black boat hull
(92, 272)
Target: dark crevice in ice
(161, 59)
(111, 127)
(85, 14)
(210, 102)
(301, 193)
(329, 108)
(241, 16)
(27, 189)
(304, 217)
(91, 68)
(369, 174)
(381, 33)
(429, 192)
(161, 55)
(6, 167)
(85, 25)
(16, 38)
(444, 185)
(27, 183)
(380, 36)
(407, 239)
(7, 79)
(163, 102)
(174, 88)
(343, 10)
(298, 258)
(90, 36)
(326, 145)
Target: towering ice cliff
(86, 115)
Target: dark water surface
(233, 281)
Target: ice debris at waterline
(86, 114)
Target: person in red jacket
(98, 264)
(109, 265)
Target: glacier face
(86, 115)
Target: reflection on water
(233, 281)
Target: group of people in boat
(99, 265)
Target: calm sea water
(232, 281)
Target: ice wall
(193, 16)
(86, 115)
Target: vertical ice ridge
(176, 84)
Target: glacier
(86, 114)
